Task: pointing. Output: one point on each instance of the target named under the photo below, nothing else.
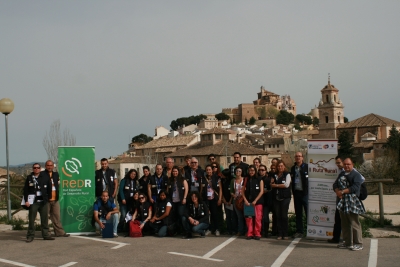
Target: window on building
(326, 119)
(126, 170)
(327, 98)
(228, 159)
(269, 146)
(218, 136)
(338, 118)
(277, 145)
(244, 159)
(181, 160)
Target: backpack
(363, 192)
(134, 229)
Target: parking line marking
(210, 253)
(15, 263)
(119, 244)
(218, 248)
(281, 259)
(373, 253)
(68, 264)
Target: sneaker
(217, 233)
(357, 247)
(115, 235)
(298, 235)
(207, 232)
(343, 245)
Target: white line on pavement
(208, 254)
(218, 248)
(373, 253)
(68, 264)
(281, 259)
(15, 263)
(119, 244)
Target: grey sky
(110, 70)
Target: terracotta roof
(369, 120)
(165, 149)
(215, 130)
(165, 141)
(223, 148)
(127, 160)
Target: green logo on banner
(77, 193)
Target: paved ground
(210, 251)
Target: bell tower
(331, 113)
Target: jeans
(200, 228)
(239, 219)
(113, 220)
(300, 202)
(123, 208)
(281, 210)
(43, 209)
(159, 228)
(254, 223)
(231, 224)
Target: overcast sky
(110, 70)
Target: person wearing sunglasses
(143, 213)
(37, 190)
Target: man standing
(348, 186)
(213, 159)
(37, 189)
(106, 180)
(188, 159)
(105, 211)
(237, 161)
(169, 163)
(195, 177)
(299, 175)
(54, 205)
(157, 182)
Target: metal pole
(381, 212)
(8, 173)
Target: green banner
(76, 167)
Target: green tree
(252, 120)
(284, 117)
(346, 120)
(222, 116)
(297, 127)
(304, 119)
(315, 121)
(272, 112)
(264, 124)
(345, 147)
(175, 124)
(262, 112)
(142, 138)
(393, 142)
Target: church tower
(331, 113)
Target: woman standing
(281, 190)
(236, 192)
(214, 197)
(127, 188)
(161, 219)
(252, 193)
(177, 189)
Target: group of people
(189, 199)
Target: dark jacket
(143, 184)
(160, 208)
(126, 189)
(154, 186)
(199, 177)
(143, 211)
(214, 179)
(200, 214)
(268, 197)
(252, 189)
(355, 180)
(41, 184)
(303, 175)
(282, 193)
(110, 176)
(56, 181)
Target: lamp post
(6, 107)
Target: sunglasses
(214, 166)
(36, 168)
(193, 162)
(141, 197)
(212, 158)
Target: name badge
(53, 188)
(257, 187)
(45, 186)
(31, 184)
(209, 193)
(126, 187)
(38, 193)
(202, 213)
(131, 194)
(196, 184)
(145, 214)
(98, 180)
(153, 186)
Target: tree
(346, 120)
(393, 143)
(262, 112)
(245, 121)
(175, 124)
(252, 120)
(222, 116)
(272, 112)
(54, 138)
(142, 138)
(315, 121)
(264, 124)
(284, 117)
(345, 147)
(303, 119)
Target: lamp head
(6, 106)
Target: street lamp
(6, 107)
